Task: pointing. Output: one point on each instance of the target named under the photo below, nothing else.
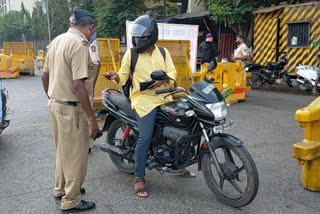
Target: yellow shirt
(145, 101)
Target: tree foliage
(39, 27)
(15, 26)
(113, 15)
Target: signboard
(175, 32)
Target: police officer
(94, 68)
(242, 52)
(72, 117)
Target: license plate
(221, 128)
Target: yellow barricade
(8, 67)
(227, 75)
(109, 51)
(308, 151)
(24, 52)
(180, 53)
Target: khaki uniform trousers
(71, 136)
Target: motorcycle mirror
(159, 75)
(212, 66)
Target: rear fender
(217, 141)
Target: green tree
(59, 14)
(112, 16)
(39, 29)
(89, 5)
(15, 25)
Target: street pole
(49, 31)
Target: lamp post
(45, 10)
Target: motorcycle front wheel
(238, 185)
(115, 138)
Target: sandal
(187, 174)
(141, 191)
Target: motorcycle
(306, 77)
(187, 131)
(272, 72)
(3, 105)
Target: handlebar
(167, 90)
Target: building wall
(4, 6)
(309, 13)
(16, 4)
(193, 7)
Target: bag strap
(134, 59)
(135, 55)
(163, 53)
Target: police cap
(78, 14)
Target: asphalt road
(265, 122)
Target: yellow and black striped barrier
(294, 29)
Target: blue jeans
(146, 127)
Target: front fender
(109, 119)
(216, 141)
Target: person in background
(242, 53)
(94, 69)
(208, 50)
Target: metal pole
(47, 8)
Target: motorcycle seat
(123, 103)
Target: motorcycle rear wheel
(230, 189)
(255, 80)
(114, 138)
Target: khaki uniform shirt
(67, 60)
(242, 51)
(94, 52)
(145, 101)
(94, 60)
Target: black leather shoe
(81, 207)
(82, 191)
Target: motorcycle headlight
(247, 68)
(219, 110)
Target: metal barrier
(24, 52)
(180, 54)
(227, 75)
(8, 67)
(109, 51)
(308, 151)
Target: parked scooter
(272, 72)
(3, 105)
(187, 131)
(306, 77)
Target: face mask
(93, 37)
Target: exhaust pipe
(121, 152)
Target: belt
(68, 103)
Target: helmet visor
(138, 30)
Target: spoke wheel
(237, 185)
(115, 138)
